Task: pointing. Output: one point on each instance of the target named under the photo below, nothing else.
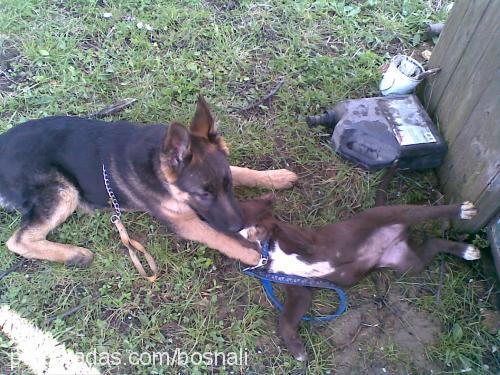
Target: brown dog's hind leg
(415, 261)
(298, 301)
(416, 214)
(51, 206)
(465, 211)
(270, 179)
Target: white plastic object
(399, 77)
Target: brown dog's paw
(297, 350)
(467, 210)
(292, 341)
(471, 253)
(280, 178)
(81, 258)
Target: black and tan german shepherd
(51, 166)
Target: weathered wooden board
(452, 45)
(465, 100)
(473, 162)
(472, 75)
(486, 203)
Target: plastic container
(375, 132)
(402, 76)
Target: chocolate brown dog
(49, 167)
(347, 251)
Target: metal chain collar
(132, 245)
(114, 201)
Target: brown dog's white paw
(298, 352)
(467, 211)
(471, 253)
(280, 179)
(302, 357)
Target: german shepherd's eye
(202, 194)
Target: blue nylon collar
(267, 278)
(264, 256)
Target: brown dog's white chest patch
(290, 264)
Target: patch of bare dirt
(387, 338)
(174, 333)
(417, 52)
(121, 323)
(8, 54)
(330, 46)
(219, 5)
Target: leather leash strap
(133, 246)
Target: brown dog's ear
(256, 210)
(175, 151)
(203, 124)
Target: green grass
(67, 58)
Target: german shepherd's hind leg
(270, 179)
(52, 204)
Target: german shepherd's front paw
(280, 178)
(81, 257)
(467, 211)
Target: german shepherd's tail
(381, 194)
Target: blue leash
(267, 278)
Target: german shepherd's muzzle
(51, 166)
(204, 174)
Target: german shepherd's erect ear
(176, 151)
(203, 125)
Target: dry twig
(114, 108)
(264, 99)
(14, 268)
(71, 311)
